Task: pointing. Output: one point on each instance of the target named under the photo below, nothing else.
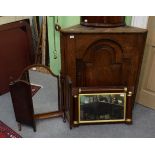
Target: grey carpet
(143, 120)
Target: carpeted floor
(143, 120)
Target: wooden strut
(40, 57)
(54, 39)
(48, 115)
(43, 43)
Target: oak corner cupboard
(100, 65)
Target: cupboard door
(146, 90)
(102, 64)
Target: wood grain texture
(85, 30)
(48, 115)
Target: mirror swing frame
(45, 115)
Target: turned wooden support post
(129, 108)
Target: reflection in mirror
(46, 98)
(102, 107)
(44, 89)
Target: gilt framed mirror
(102, 106)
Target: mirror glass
(102, 107)
(44, 89)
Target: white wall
(139, 21)
(9, 19)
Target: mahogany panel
(89, 68)
(22, 102)
(15, 51)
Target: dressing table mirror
(45, 93)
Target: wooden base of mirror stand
(53, 114)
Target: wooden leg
(19, 127)
(34, 126)
(34, 129)
(64, 118)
